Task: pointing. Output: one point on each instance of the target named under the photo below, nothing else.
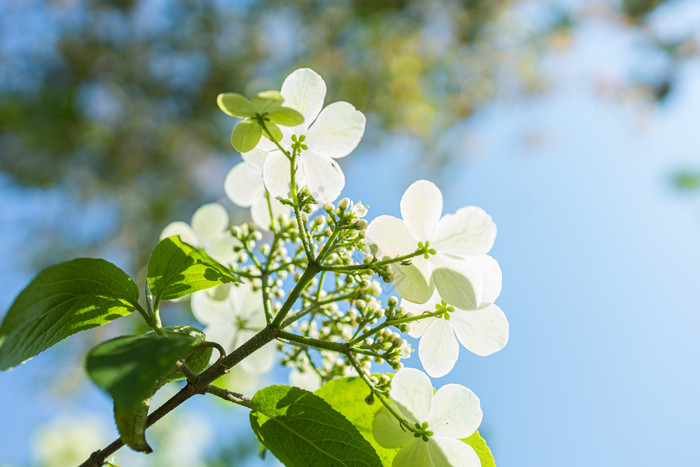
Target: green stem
(314, 306)
(309, 274)
(394, 322)
(315, 343)
(370, 266)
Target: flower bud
(344, 204)
(361, 224)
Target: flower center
(422, 431)
(298, 144)
(445, 308)
(425, 250)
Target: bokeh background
(575, 124)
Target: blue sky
(600, 258)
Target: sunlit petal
(209, 221)
(337, 130)
(277, 175)
(421, 207)
(438, 348)
(388, 432)
(446, 452)
(467, 232)
(412, 391)
(482, 331)
(322, 175)
(181, 229)
(455, 412)
(304, 91)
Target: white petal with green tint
(208, 221)
(276, 175)
(337, 131)
(417, 328)
(467, 232)
(244, 184)
(256, 157)
(181, 229)
(438, 348)
(390, 236)
(260, 211)
(304, 91)
(455, 412)
(322, 175)
(446, 452)
(246, 135)
(235, 105)
(412, 391)
(415, 453)
(457, 281)
(209, 311)
(421, 207)
(482, 331)
(411, 283)
(388, 432)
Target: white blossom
(328, 134)
(233, 321)
(482, 330)
(454, 240)
(244, 186)
(453, 413)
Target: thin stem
(315, 343)
(394, 322)
(187, 371)
(315, 306)
(230, 396)
(360, 267)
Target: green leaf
(132, 368)
(60, 301)
(286, 117)
(482, 450)
(198, 360)
(246, 135)
(274, 131)
(177, 269)
(235, 105)
(267, 101)
(349, 396)
(301, 429)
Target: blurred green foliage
(116, 99)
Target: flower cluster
(336, 321)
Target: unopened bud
(361, 224)
(344, 204)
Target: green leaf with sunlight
(177, 269)
(132, 368)
(351, 397)
(275, 134)
(235, 105)
(246, 135)
(286, 117)
(302, 429)
(62, 300)
(267, 101)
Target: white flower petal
(182, 229)
(221, 248)
(438, 348)
(322, 175)
(388, 432)
(276, 174)
(209, 221)
(260, 211)
(309, 380)
(304, 91)
(337, 130)
(412, 282)
(209, 311)
(262, 360)
(421, 207)
(256, 158)
(244, 184)
(412, 391)
(467, 232)
(388, 236)
(222, 333)
(415, 453)
(491, 275)
(455, 412)
(458, 282)
(416, 328)
(248, 303)
(452, 452)
(482, 331)
(220, 292)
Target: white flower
(309, 379)
(209, 231)
(233, 321)
(451, 414)
(482, 330)
(329, 134)
(455, 239)
(244, 186)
